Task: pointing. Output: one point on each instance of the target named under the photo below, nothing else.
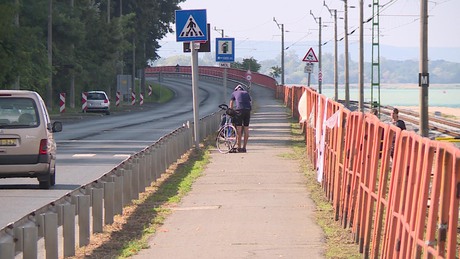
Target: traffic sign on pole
(191, 25)
(310, 56)
(225, 49)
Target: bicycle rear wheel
(226, 139)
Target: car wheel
(46, 181)
(107, 113)
(53, 177)
(45, 184)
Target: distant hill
(398, 65)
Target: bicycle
(226, 135)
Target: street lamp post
(281, 27)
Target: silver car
(97, 101)
(27, 145)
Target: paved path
(246, 205)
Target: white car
(27, 145)
(97, 101)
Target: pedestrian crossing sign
(191, 25)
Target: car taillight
(106, 101)
(43, 147)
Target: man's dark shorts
(242, 117)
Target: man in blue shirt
(241, 102)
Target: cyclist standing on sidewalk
(241, 102)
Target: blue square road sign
(191, 25)
(225, 49)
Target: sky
(253, 20)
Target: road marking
(83, 155)
(122, 155)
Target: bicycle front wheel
(226, 139)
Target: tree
(247, 64)
(276, 72)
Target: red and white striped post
(84, 99)
(117, 100)
(141, 99)
(133, 98)
(150, 90)
(62, 102)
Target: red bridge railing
(232, 73)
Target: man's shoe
(242, 150)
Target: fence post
(135, 179)
(126, 186)
(97, 195)
(83, 219)
(118, 194)
(29, 238)
(68, 229)
(109, 205)
(51, 234)
(7, 250)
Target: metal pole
(424, 68)
(282, 54)
(361, 58)
(195, 94)
(347, 74)
(336, 60)
(49, 89)
(320, 66)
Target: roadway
(90, 147)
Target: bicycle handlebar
(223, 107)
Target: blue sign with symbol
(191, 25)
(225, 49)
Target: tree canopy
(92, 41)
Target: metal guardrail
(94, 205)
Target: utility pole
(224, 79)
(49, 89)
(16, 23)
(424, 76)
(281, 27)
(320, 76)
(361, 57)
(347, 69)
(333, 13)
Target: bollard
(7, 250)
(83, 219)
(109, 206)
(68, 229)
(51, 235)
(97, 210)
(29, 236)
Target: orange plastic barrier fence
(397, 191)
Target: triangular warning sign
(191, 29)
(310, 57)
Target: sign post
(191, 26)
(310, 57)
(225, 53)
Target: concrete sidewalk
(246, 205)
